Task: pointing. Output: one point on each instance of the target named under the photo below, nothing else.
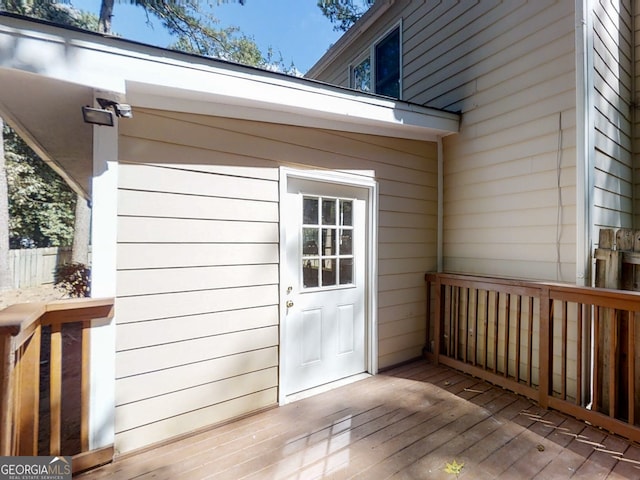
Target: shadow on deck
(406, 423)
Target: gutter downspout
(585, 162)
(584, 142)
(440, 232)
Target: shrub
(74, 279)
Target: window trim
(371, 54)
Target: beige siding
(198, 273)
(613, 84)
(509, 175)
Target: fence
(31, 267)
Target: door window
(327, 242)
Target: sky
(294, 29)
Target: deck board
(406, 423)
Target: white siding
(509, 175)
(197, 333)
(613, 85)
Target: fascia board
(146, 72)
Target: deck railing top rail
(28, 331)
(20, 320)
(603, 297)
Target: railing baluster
(455, 298)
(485, 363)
(530, 344)
(579, 320)
(447, 319)
(85, 385)
(518, 335)
(507, 323)
(631, 370)
(475, 328)
(466, 327)
(596, 373)
(427, 325)
(563, 365)
(496, 331)
(546, 352)
(613, 346)
(438, 308)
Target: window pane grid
(327, 242)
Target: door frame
(371, 271)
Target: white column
(103, 284)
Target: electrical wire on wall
(559, 200)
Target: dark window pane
(346, 271)
(328, 272)
(361, 76)
(388, 65)
(310, 273)
(310, 211)
(310, 241)
(346, 242)
(329, 241)
(346, 212)
(328, 212)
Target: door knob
(289, 303)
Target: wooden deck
(406, 423)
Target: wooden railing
(569, 348)
(32, 416)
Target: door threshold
(294, 397)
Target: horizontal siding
(161, 382)
(136, 335)
(193, 420)
(160, 280)
(509, 192)
(198, 265)
(148, 411)
(510, 174)
(166, 255)
(149, 307)
(613, 83)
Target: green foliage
(41, 204)
(74, 279)
(454, 468)
(197, 33)
(53, 11)
(344, 13)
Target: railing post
(438, 306)
(6, 394)
(545, 361)
(27, 395)
(427, 325)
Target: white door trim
(371, 274)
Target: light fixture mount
(104, 115)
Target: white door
(325, 280)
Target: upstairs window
(378, 70)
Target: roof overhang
(48, 72)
